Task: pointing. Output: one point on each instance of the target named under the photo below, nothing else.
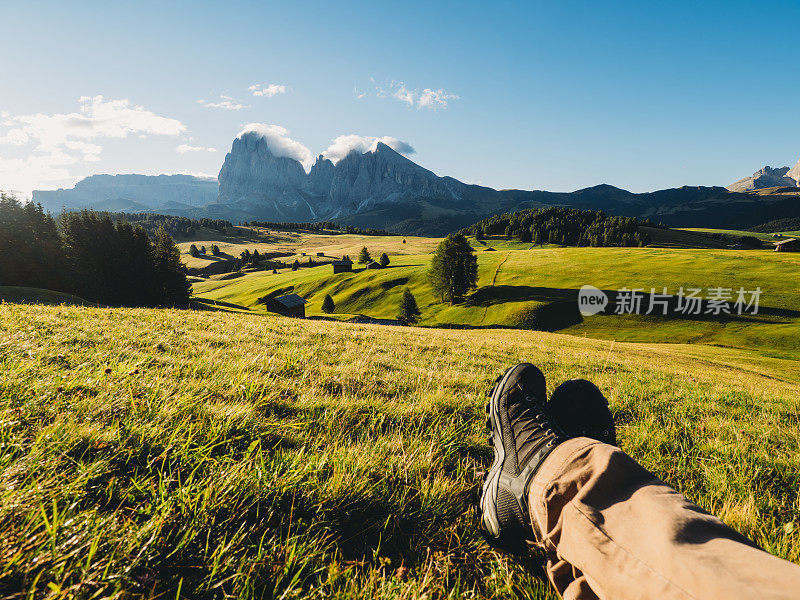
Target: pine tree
(215, 250)
(194, 251)
(327, 304)
(454, 268)
(255, 258)
(170, 272)
(409, 311)
(296, 265)
(364, 256)
(384, 260)
(274, 271)
(202, 250)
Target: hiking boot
(580, 409)
(523, 436)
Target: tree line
(564, 226)
(317, 226)
(174, 226)
(90, 255)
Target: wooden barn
(320, 254)
(342, 266)
(788, 245)
(374, 265)
(288, 306)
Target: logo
(591, 300)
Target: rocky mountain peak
(766, 178)
(794, 173)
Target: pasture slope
(168, 453)
(526, 286)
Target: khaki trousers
(612, 530)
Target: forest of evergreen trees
(317, 226)
(88, 254)
(564, 226)
(174, 226)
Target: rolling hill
(168, 452)
(521, 285)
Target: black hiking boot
(580, 409)
(523, 436)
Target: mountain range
(768, 178)
(383, 189)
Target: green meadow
(232, 453)
(530, 287)
(167, 453)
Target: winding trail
(494, 279)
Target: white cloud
(279, 142)
(426, 98)
(223, 103)
(62, 139)
(35, 171)
(429, 98)
(344, 144)
(184, 148)
(89, 152)
(15, 137)
(97, 117)
(267, 90)
(402, 93)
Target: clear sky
(555, 95)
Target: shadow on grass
(560, 315)
(208, 304)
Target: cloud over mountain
(279, 142)
(344, 144)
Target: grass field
(295, 243)
(764, 237)
(520, 285)
(209, 455)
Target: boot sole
(488, 504)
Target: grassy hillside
(520, 285)
(161, 452)
(737, 233)
(28, 295)
(294, 243)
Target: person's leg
(609, 527)
(608, 524)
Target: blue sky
(535, 95)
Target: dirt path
(494, 279)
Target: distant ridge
(132, 193)
(382, 189)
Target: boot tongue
(528, 431)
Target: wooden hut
(788, 245)
(288, 306)
(342, 266)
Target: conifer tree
(409, 311)
(364, 256)
(327, 304)
(454, 268)
(173, 285)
